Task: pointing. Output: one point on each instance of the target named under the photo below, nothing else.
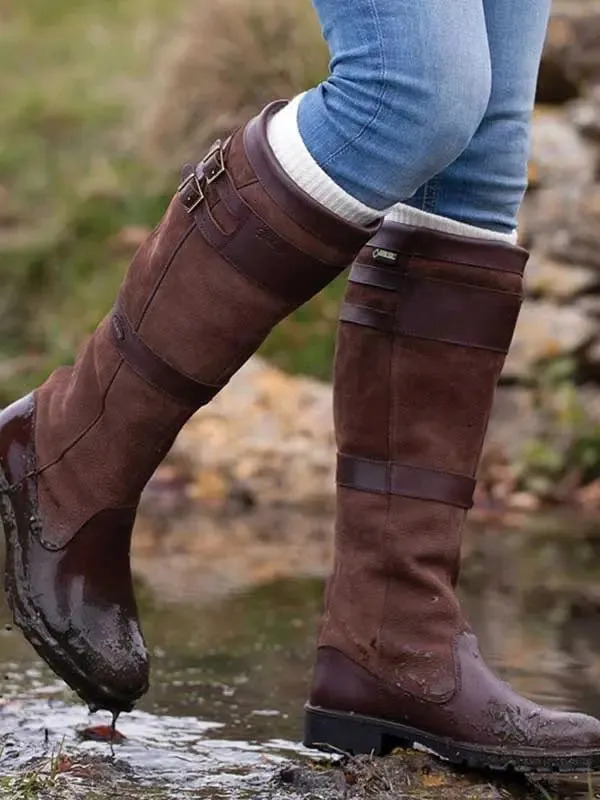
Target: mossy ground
(76, 77)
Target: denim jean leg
(408, 87)
(485, 185)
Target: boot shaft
(239, 248)
(425, 328)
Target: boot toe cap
(572, 732)
(115, 669)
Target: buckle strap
(248, 242)
(404, 480)
(153, 369)
(192, 189)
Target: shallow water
(230, 672)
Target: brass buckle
(213, 171)
(184, 187)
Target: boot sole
(28, 620)
(354, 734)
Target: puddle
(230, 672)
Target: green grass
(35, 781)
(75, 76)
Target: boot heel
(345, 733)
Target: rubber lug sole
(354, 734)
(31, 624)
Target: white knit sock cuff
(293, 155)
(406, 215)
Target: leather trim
(379, 277)
(300, 206)
(368, 317)
(418, 242)
(154, 369)
(253, 248)
(388, 477)
(263, 256)
(442, 311)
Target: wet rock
(546, 331)
(101, 733)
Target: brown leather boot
(239, 248)
(425, 328)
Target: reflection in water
(230, 672)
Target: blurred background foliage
(101, 104)
(104, 100)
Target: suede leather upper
(238, 249)
(416, 370)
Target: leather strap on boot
(434, 309)
(214, 195)
(426, 325)
(424, 331)
(245, 239)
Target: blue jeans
(429, 102)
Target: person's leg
(484, 187)
(239, 248)
(427, 321)
(408, 88)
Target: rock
(585, 114)
(590, 304)
(546, 331)
(265, 446)
(564, 223)
(576, 240)
(202, 555)
(267, 432)
(558, 280)
(543, 217)
(101, 733)
(571, 57)
(560, 155)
